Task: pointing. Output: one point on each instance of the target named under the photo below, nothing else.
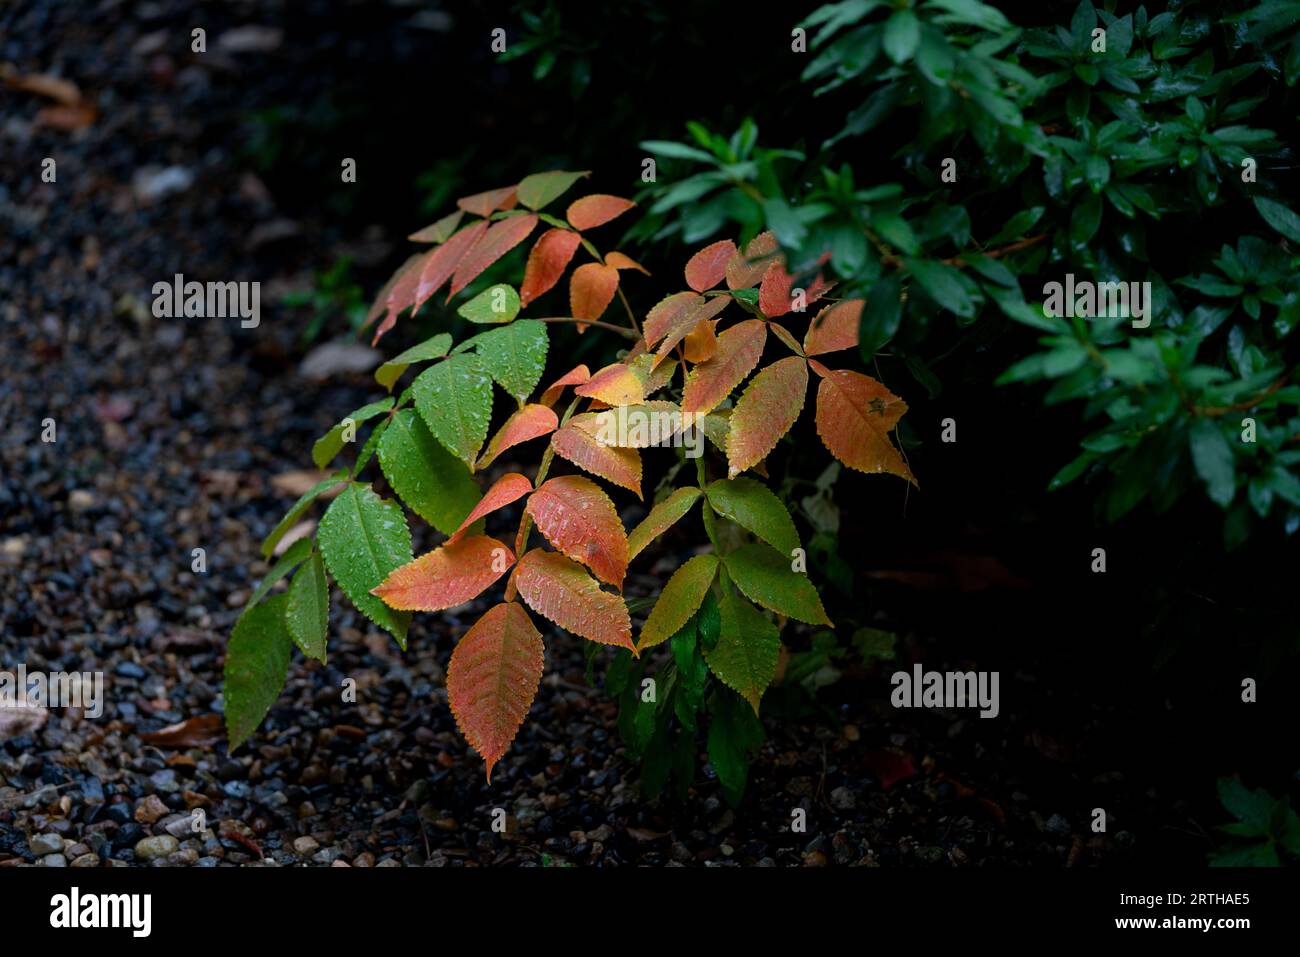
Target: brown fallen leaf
(20, 720)
(300, 481)
(644, 834)
(196, 732)
(247, 842)
(67, 118)
(42, 84)
(889, 766)
(303, 529)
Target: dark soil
(171, 435)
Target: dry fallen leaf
(197, 732)
(20, 720)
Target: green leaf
(661, 518)
(455, 400)
(434, 348)
(493, 306)
(734, 735)
(679, 599)
(331, 443)
(432, 482)
(753, 506)
(1212, 456)
(1253, 808)
(540, 189)
(307, 613)
(880, 316)
(299, 507)
(372, 444)
(901, 36)
(674, 150)
(1279, 217)
(748, 646)
(764, 575)
(363, 538)
(515, 356)
(709, 622)
(293, 556)
(257, 663)
(942, 284)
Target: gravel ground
(181, 434)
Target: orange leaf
(746, 269)
(580, 520)
(774, 297)
(492, 679)
(622, 467)
(559, 589)
(616, 384)
(508, 488)
(619, 261)
(739, 349)
(500, 238)
(528, 422)
(442, 261)
(449, 575)
(834, 328)
(703, 311)
(708, 267)
(701, 343)
(591, 289)
(596, 210)
(765, 411)
(854, 416)
(575, 376)
(485, 204)
(549, 258)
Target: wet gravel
(174, 435)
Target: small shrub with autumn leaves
(733, 355)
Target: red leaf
(708, 267)
(559, 589)
(667, 314)
(449, 575)
(500, 238)
(549, 258)
(774, 297)
(380, 305)
(401, 293)
(492, 679)
(485, 204)
(442, 261)
(765, 411)
(739, 349)
(596, 210)
(591, 289)
(530, 422)
(622, 467)
(575, 376)
(889, 766)
(834, 328)
(580, 520)
(854, 416)
(746, 269)
(508, 488)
